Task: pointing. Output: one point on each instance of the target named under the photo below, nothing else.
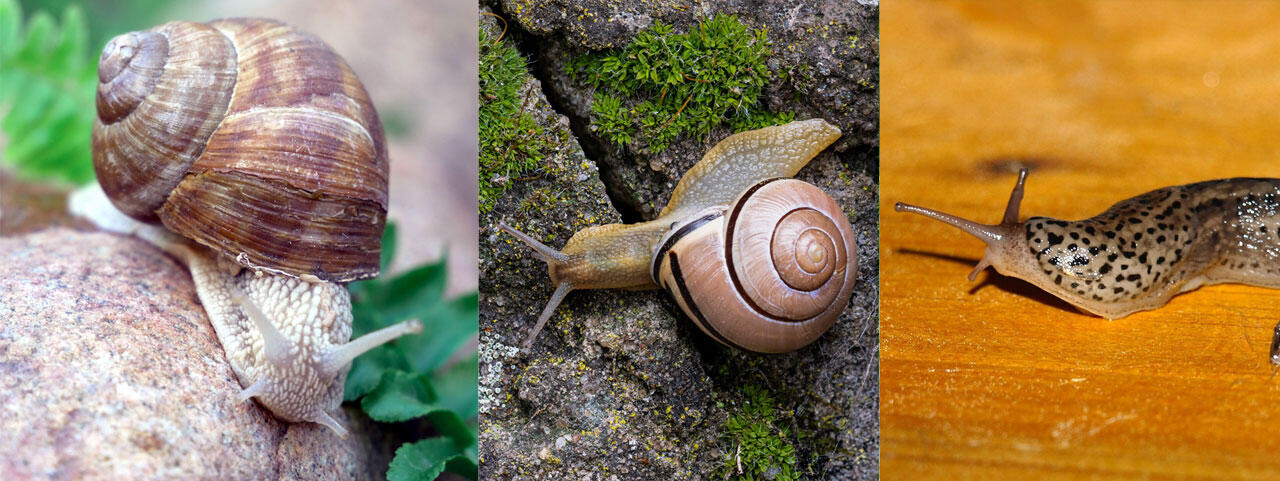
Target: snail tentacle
(275, 345)
(562, 290)
(339, 357)
(258, 388)
(542, 251)
(324, 419)
(554, 259)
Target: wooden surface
(996, 379)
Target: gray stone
(111, 370)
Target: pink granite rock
(109, 369)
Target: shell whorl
(791, 259)
(128, 70)
(247, 136)
(769, 274)
(161, 94)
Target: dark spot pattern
(1216, 231)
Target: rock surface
(619, 385)
(111, 370)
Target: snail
(732, 219)
(250, 151)
(1142, 251)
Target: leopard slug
(1142, 251)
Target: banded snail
(250, 151)
(1142, 251)
(712, 246)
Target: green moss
(754, 444)
(512, 143)
(664, 84)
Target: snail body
(249, 151)
(1142, 251)
(692, 232)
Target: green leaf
(412, 293)
(452, 426)
(367, 370)
(425, 460)
(449, 324)
(457, 387)
(46, 94)
(402, 380)
(10, 26)
(400, 396)
(388, 246)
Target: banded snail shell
(770, 272)
(247, 136)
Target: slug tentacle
(992, 235)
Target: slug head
(1127, 259)
(1006, 248)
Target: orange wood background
(996, 379)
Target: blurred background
(416, 59)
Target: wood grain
(996, 379)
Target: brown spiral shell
(247, 136)
(769, 273)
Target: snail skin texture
(249, 151)
(1142, 251)
(759, 261)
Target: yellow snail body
(257, 149)
(712, 246)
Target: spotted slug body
(1141, 251)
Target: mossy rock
(824, 63)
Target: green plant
(511, 141)
(663, 84)
(755, 446)
(47, 84)
(416, 376)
